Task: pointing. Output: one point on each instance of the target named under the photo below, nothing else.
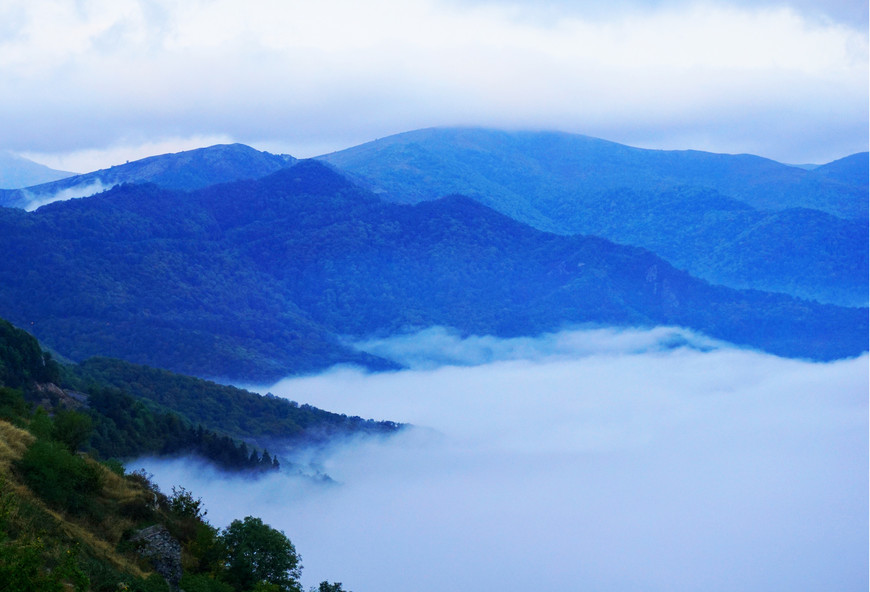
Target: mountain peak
(17, 172)
(187, 170)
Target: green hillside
(71, 519)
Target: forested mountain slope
(72, 519)
(255, 280)
(191, 169)
(118, 410)
(738, 220)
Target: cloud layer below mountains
(637, 468)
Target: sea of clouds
(587, 460)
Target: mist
(444, 346)
(37, 200)
(642, 467)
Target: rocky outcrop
(156, 544)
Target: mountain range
(531, 167)
(256, 279)
(741, 221)
(237, 264)
(191, 169)
(737, 220)
(17, 172)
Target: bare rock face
(155, 543)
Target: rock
(164, 551)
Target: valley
(435, 352)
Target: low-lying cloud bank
(443, 346)
(639, 468)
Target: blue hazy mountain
(253, 280)
(17, 172)
(192, 169)
(850, 171)
(738, 220)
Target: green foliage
(26, 566)
(257, 554)
(114, 465)
(183, 504)
(205, 549)
(105, 578)
(117, 425)
(30, 564)
(13, 407)
(234, 411)
(333, 587)
(40, 424)
(248, 555)
(153, 583)
(203, 583)
(60, 478)
(71, 428)
(124, 427)
(22, 361)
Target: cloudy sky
(90, 83)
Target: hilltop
(191, 169)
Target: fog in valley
(587, 460)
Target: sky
(92, 83)
(587, 460)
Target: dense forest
(738, 220)
(230, 410)
(255, 280)
(119, 411)
(106, 421)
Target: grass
(96, 536)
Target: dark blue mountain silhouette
(257, 279)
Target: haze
(647, 467)
(97, 82)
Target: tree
(183, 504)
(72, 429)
(258, 555)
(327, 587)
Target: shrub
(60, 478)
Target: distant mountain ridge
(253, 280)
(730, 219)
(851, 170)
(188, 170)
(737, 220)
(411, 167)
(17, 172)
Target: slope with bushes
(70, 522)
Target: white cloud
(677, 470)
(93, 159)
(441, 346)
(334, 73)
(83, 190)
